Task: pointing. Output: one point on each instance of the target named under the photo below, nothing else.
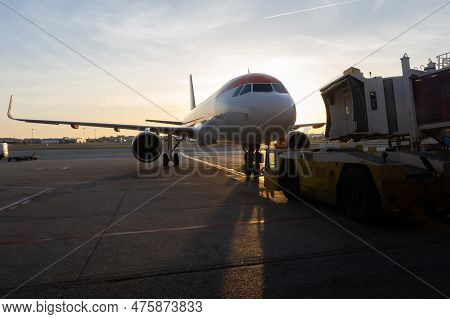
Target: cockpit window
(246, 89)
(262, 88)
(238, 90)
(279, 88)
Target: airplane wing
(313, 125)
(173, 122)
(175, 130)
(165, 122)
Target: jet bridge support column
(409, 100)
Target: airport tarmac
(94, 223)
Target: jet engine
(293, 140)
(147, 147)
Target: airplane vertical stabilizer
(192, 92)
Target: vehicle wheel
(165, 160)
(176, 159)
(289, 180)
(9, 160)
(359, 196)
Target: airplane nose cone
(279, 111)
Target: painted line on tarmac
(196, 227)
(172, 229)
(223, 168)
(253, 222)
(52, 168)
(25, 200)
(21, 187)
(38, 240)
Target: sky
(153, 46)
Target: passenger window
(246, 89)
(278, 87)
(238, 90)
(373, 101)
(262, 88)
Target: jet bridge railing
(443, 61)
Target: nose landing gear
(252, 159)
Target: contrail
(311, 9)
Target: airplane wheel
(176, 159)
(248, 166)
(165, 160)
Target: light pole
(32, 135)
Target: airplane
(249, 110)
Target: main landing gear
(170, 156)
(253, 160)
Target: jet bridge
(415, 105)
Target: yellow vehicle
(362, 184)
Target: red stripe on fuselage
(247, 79)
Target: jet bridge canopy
(345, 105)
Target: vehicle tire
(298, 140)
(289, 180)
(359, 196)
(165, 160)
(176, 159)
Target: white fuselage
(261, 114)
